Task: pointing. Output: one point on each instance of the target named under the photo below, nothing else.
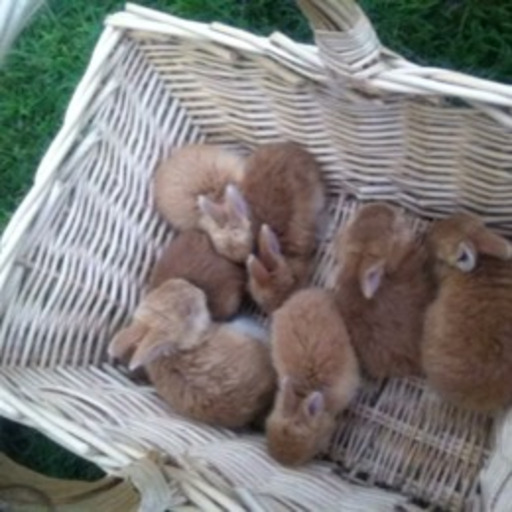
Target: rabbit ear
(288, 394)
(492, 244)
(466, 256)
(153, 346)
(256, 270)
(211, 209)
(371, 279)
(126, 340)
(269, 247)
(237, 207)
(314, 404)
(268, 241)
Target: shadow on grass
(35, 451)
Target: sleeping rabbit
(195, 189)
(318, 375)
(218, 373)
(467, 345)
(383, 290)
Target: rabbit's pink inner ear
(256, 270)
(492, 244)
(269, 240)
(236, 203)
(466, 257)
(212, 210)
(126, 340)
(152, 347)
(371, 279)
(315, 403)
(269, 248)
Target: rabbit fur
(191, 256)
(467, 344)
(211, 372)
(318, 374)
(285, 195)
(189, 187)
(383, 289)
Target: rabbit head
(228, 224)
(299, 427)
(373, 244)
(458, 240)
(169, 319)
(270, 277)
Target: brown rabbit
(191, 256)
(317, 371)
(467, 344)
(383, 290)
(217, 373)
(285, 193)
(189, 187)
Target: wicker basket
(76, 255)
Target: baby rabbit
(383, 290)
(467, 345)
(191, 256)
(285, 194)
(194, 188)
(220, 374)
(318, 375)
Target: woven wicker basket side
(76, 256)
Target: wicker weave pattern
(75, 257)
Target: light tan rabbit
(195, 188)
(284, 190)
(318, 375)
(383, 290)
(220, 374)
(467, 345)
(191, 256)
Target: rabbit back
(386, 330)
(190, 172)
(467, 346)
(228, 381)
(191, 256)
(310, 344)
(283, 188)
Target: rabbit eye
(465, 258)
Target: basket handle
(346, 40)
(351, 50)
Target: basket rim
(393, 75)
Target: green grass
(46, 64)
(467, 35)
(35, 451)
